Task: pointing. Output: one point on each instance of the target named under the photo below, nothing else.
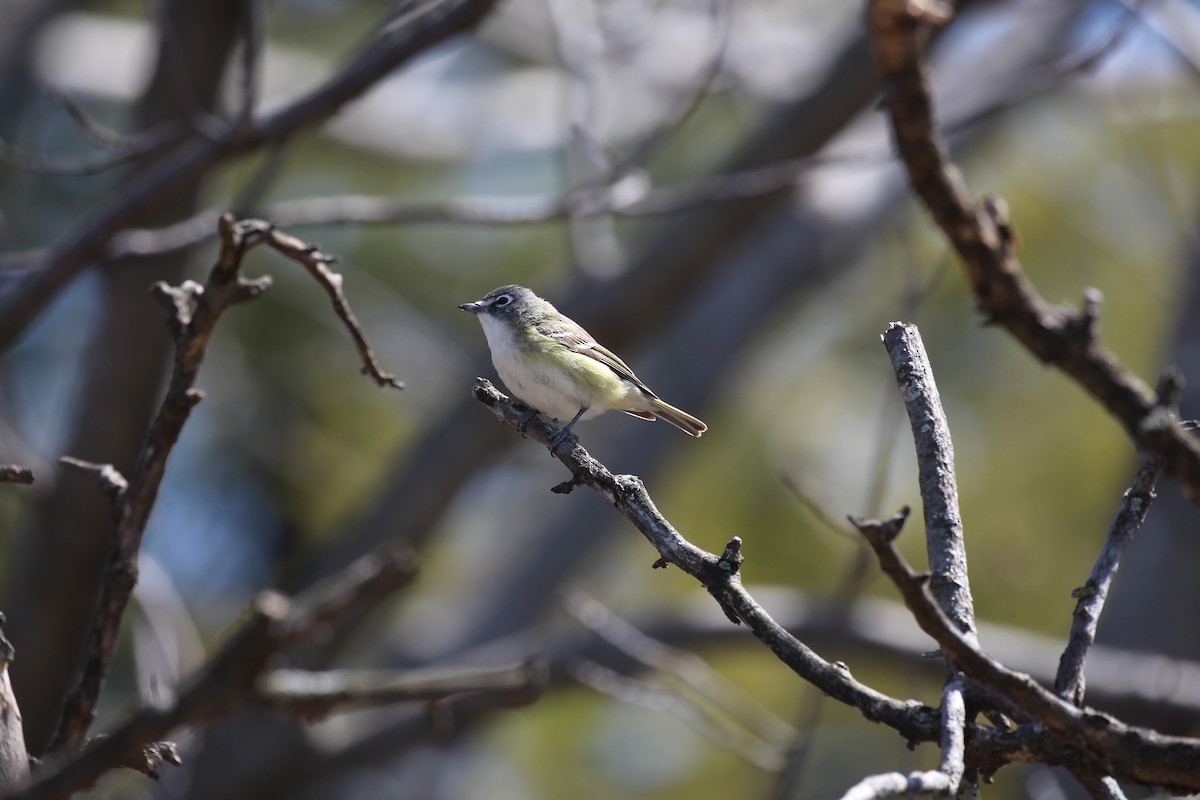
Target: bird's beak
(474, 308)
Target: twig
(111, 480)
(317, 263)
(15, 473)
(982, 235)
(1102, 744)
(1069, 682)
(228, 682)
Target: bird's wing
(575, 338)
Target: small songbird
(549, 362)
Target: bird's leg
(558, 437)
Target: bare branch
(425, 25)
(228, 682)
(317, 263)
(316, 695)
(895, 784)
(939, 486)
(100, 134)
(192, 329)
(718, 574)
(1069, 682)
(15, 473)
(193, 312)
(1125, 752)
(111, 480)
(981, 233)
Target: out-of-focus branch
(1069, 683)
(152, 141)
(981, 233)
(315, 695)
(111, 480)
(193, 312)
(15, 473)
(1102, 745)
(228, 684)
(422, 26)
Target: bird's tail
(680, 419)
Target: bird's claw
(523, 420)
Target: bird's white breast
(545, 386)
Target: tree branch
(316, 695)
(982, 235)
(718, 574)
(193, 312)
(1103, 744)
(422, 26)
(228, 683)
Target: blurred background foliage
(293, 453)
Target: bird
(550, 363)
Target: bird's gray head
(510, 303)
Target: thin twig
(1069, 682)
(317, 263)
(111, 480)
(944, 542)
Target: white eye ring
(503, 300)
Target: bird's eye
(503, 300)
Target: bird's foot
(559, 438)
(523, 420)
